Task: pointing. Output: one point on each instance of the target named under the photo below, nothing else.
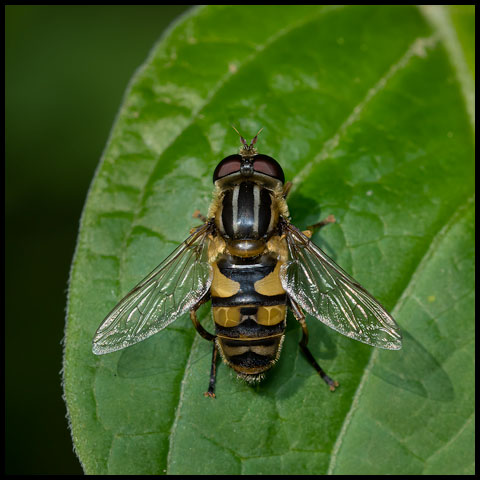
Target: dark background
(67, 68)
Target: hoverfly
(253, 264)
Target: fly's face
(253, 264)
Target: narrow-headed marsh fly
(253, 264)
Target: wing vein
(165, 294)
(329, 294)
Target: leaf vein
(437, 238)
(456, 436)
(417, 48)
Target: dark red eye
(227, 166)
(268, 166)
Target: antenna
(247, 149)
(254, 141)
(241, 138)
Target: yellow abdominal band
(231, 316)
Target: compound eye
(268, 166)
(228, 165)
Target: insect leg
(208, 336)
(213, 373)
(311, 229)
(198, 214)
(286, 189)
(300, 316)
(193, 316)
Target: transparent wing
(328, 293)
(173, 288)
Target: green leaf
(368, 110)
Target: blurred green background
(67, 68)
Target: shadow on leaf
(416, 370)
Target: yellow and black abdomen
(249, 310)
